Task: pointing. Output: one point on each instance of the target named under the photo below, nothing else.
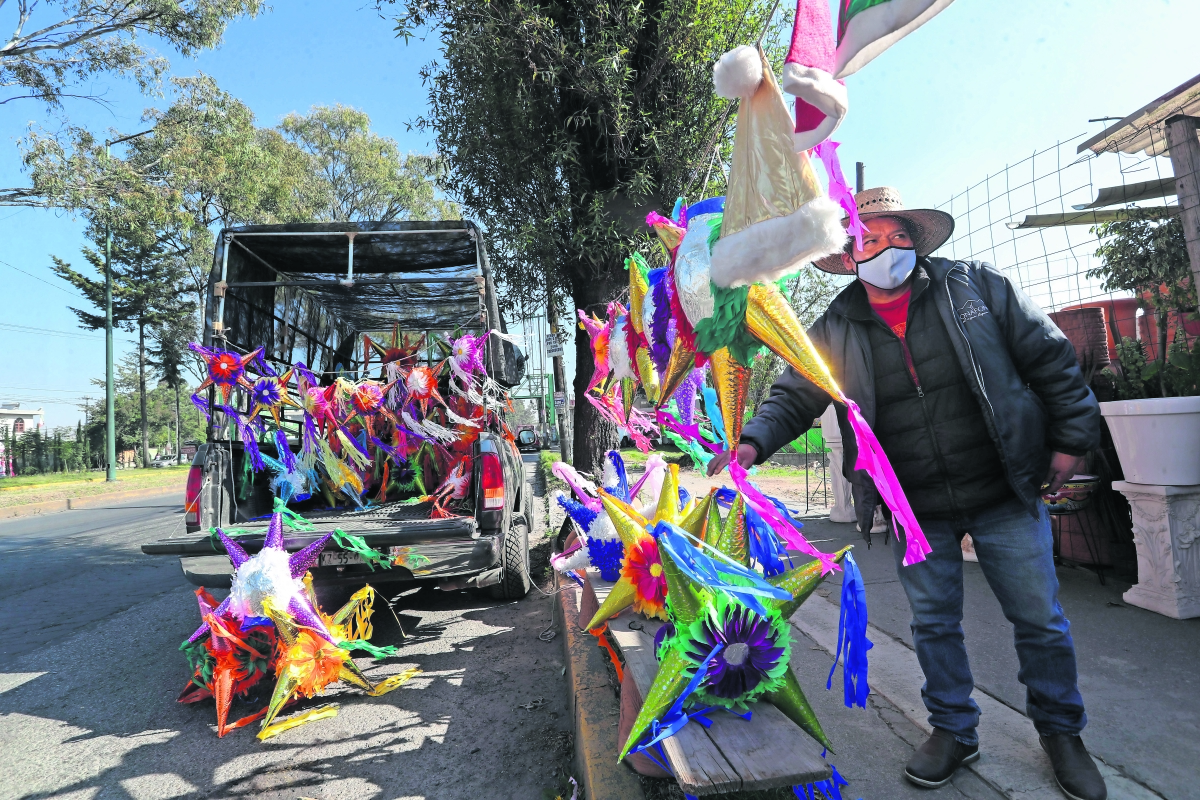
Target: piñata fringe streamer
(249, 440)
(284, 450)
(853, 643)
(783, 527)
(872, 459)
(295, 721)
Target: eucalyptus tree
(563, 122)
(57, 48)
(356, 174)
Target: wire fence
(1026, 219)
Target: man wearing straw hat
(981, 408)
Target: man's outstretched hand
(1062, 468)
(746, 456)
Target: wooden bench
(734, 754)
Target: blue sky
(982, 85)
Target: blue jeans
(1016, 553)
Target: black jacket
(1021, 370)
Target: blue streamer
(830, 788)
(719, 572)
(713, 410)
(621, 489)
(853, 643)
(606, 555)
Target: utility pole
(560, 379)
(110, 417)
(860, 170)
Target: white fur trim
(872, 31)
(807, 140)
(618, 354)
(608, 477)
(577, 559)
(738, 73)
(773, 248)
(816, 87)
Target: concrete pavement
(89, 710)
(1137, 673)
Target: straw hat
(928, 228)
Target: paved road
(90, 673)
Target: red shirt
(895, 316)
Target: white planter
(1158, 440)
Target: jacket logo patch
(972, 309)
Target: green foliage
(1136, 378)
(359, 175)
(562, 123)
(1146, 255)
(59, 45)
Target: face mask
(889, 268)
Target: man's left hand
(1063, 468)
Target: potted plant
(1155, 420)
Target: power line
(36, 278)
(8, 326)
(43, 389)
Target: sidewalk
(1138, 675)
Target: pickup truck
(309, 293)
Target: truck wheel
(514, 564)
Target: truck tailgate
(380, 527)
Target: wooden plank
(697, 762)
(734, 754)
(769, 750)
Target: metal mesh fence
(1026, 220)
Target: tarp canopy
(1131, 193)
(304, 289)
(1142, 131)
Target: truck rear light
(191, 497)
(492, 477)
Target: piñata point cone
(790, 699)
(674, 672)
(648, 374)
(734, 541)
(668, 498)
(713, 526)
(679, 366)
(681, 595)
(629, 524)
(620, 597)
(732, 381)
(694, 519)
(772, 321)
(638, 287)
(628, 391)
(800, 583)
(223, 694)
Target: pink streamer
(787, 531)
(872, 459)
(838, 190)
(567, 474)
(690, 433)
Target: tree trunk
(594, 435)
(142, 394)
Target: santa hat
(867, 29)
(808, 73)
(777, 216)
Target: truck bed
(387, 525)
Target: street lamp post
(110, 422)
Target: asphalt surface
(90, 671)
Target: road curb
(72, 503)
(594, 707)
